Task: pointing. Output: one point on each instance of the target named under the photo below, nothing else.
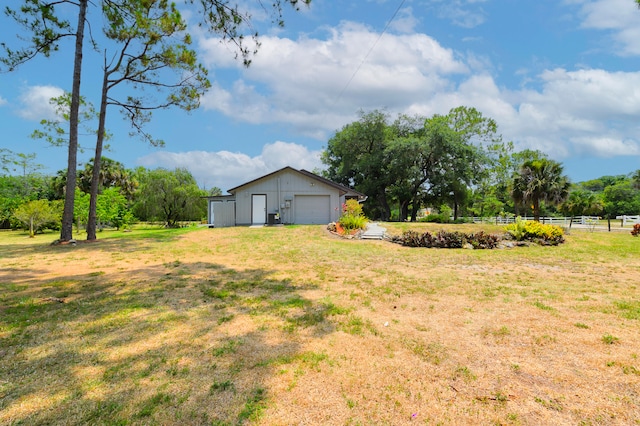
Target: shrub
(352, 216)
(409, 239)
(517, 229)
(349, 223)
(436, 218)
(520, 231)
(536, 231)
(444, 216)
(414, 239)
(482, 240)
(446, 239)
(352, 208)
(636, 230)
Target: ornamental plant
(535, 231)
(446, 239)
(352, 217)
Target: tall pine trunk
(95, 177)
(66, 231)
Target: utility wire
(370, 50)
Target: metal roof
(344, 190)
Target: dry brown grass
(288, 325)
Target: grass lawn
(292, 325)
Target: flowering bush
(352, 217)
(536, 231)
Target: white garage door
(312, 209)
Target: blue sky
(562, 76)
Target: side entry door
(258, 209)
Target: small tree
(112, 208)
(80, 208)
(35, 215)
(170, 196)
(352, 216)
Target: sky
(560, 76)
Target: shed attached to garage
(286, 196)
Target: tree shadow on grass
(195, 343)
(42, 245)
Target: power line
(370, 50)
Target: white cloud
(621, 17)
(405, 21)
(584, 112)
(226, 169)
(591, 112)
(461, 12)
(596, 94)
(2, 101)
(36, 104)
(309, 84)
(319, 85)
(606, 146)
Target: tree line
(459, 165)
(35, 201)
(148, 62)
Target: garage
(286, 196)
(312, 209)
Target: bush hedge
(527, 230)
(446, 239)
(524, 231)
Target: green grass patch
(228, 347)
(107, 412)
(254, 406)
(538, 304)
(24, 312)
(629, 309)
(154, 403)
(551, 404)
(216, 293)
(225, 318)
(311, 359)
(465, 373)
(295, 301)
(222, 386)
(353, 325)
(432, 352)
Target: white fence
(629, 220)
(560, 221)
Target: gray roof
(344, 190)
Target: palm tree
(582, 202)
(540, 180)
(112, 173)
(635, 178)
